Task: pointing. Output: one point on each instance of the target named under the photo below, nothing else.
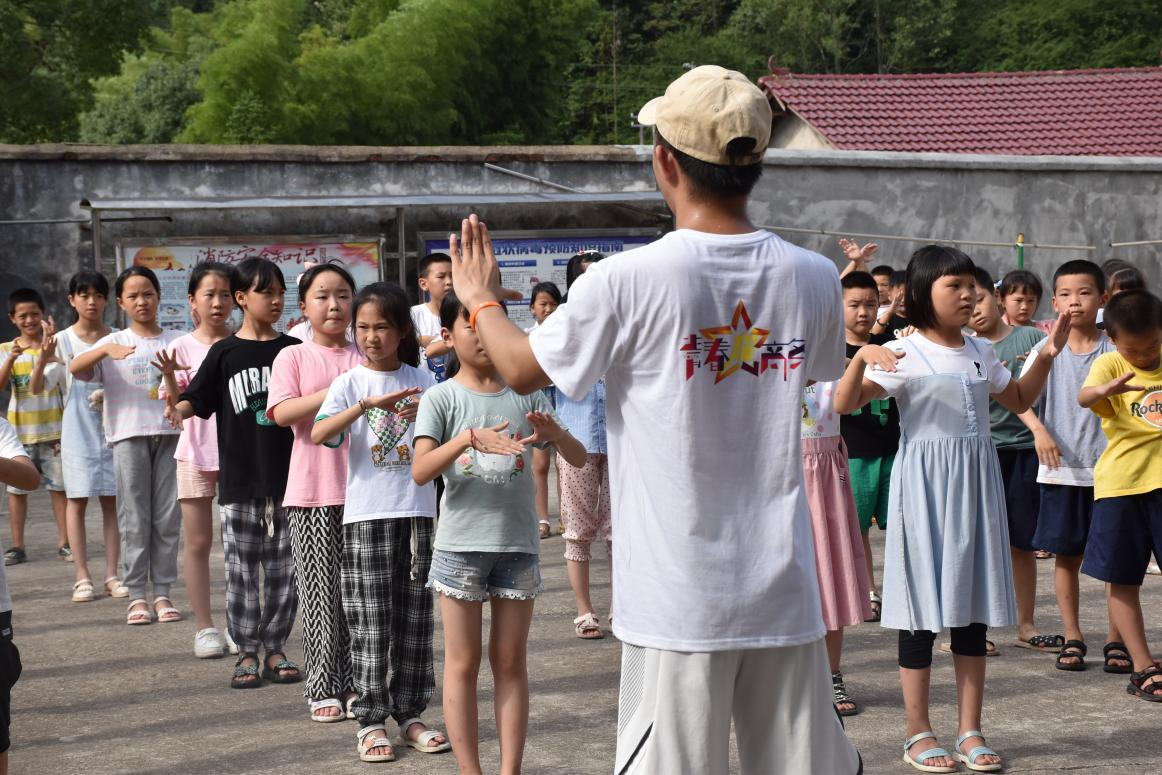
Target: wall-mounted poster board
(529, 257)
(173, 258)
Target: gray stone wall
(1059, 200)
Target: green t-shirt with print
(1007, 429)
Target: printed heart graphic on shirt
(1149, 408)
(388, 427)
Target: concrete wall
(1060, 200)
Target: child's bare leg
(541, 458)
(18, 516)
(198, 524)
(1065, 579)
(508, 656)
(1114, 633)
(59, 510)
(577, 559)
(867, 556)
(969, 701)
(1025, 587)
(75, 533)
(914, 684)
(111, 533)
(1126, 615)
(462, 651)
(834, 640)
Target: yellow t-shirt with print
(1132, 461)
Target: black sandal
(1074, 649)
(842, 697)
(1139, 688)
(274, 673)
(1116, 650)
(246, 676)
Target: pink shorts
(585, 504)
(196, 483)
(839, 557)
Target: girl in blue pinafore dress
(947, 558)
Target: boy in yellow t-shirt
(1124, 388)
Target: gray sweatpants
(148, 512)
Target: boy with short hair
(883, 277)
(37, 417)
(435, 275)
(872, 433)
(1014, 443)
(1124, 389)
(893, 319)
(16, 470)
(1069, 444)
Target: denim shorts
(476, 576)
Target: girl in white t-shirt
(143, 442)
(388, 524)
(197, 453)
(947, 558)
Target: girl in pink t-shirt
(317, 483)
(197, 452)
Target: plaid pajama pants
(389, 612)
(255, 534)
(317, 541)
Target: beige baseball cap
(707, 108)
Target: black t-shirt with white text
(872, 430)
(231, 384)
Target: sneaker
(231, 646)
(209, 644)
(15, 556)
(65, 553)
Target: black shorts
(1125, 530)
(1063, 524)
(1022, 495)
(10, 668)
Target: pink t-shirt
(132, 407)
(198, 445)
(318, 474)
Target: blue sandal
(970, 758)
(931, 753)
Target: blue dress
(947, 558)
(86, 460)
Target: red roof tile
(1116, 112)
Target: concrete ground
(98, 697)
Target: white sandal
(140, 615)
(349, 704)
(118, 589)
(167, 613)
(422, 741)
(586, 627)
(330, 702)
(370, 738)
(83, 591)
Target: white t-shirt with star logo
(706, 343)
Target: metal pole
(1135, 244)
(936, 240)
(402, 255)
(570, 189)
(95, 228)
(1021, 250)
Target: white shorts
(676, 709)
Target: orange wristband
(479, 308)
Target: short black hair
(1134, 312)
(862, 280)
(88, 280)
(135, 271)
(309, 276)
(897, 278)
(432, 258)
(395, 306)
(24, 296)
(573, 268)
(883, 270)
(1081, 266)
(258, 274)
(545, 287)
(984, 279)
(928, 265)
(714, 181)
(1021, 280)
(1127, 278)
(225, 271)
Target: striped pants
(255, 535)
(317, 542)
(389, 612)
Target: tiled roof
(1116, 112)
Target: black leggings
(916, 647)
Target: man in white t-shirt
(706, 339)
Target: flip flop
(1046, 643)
